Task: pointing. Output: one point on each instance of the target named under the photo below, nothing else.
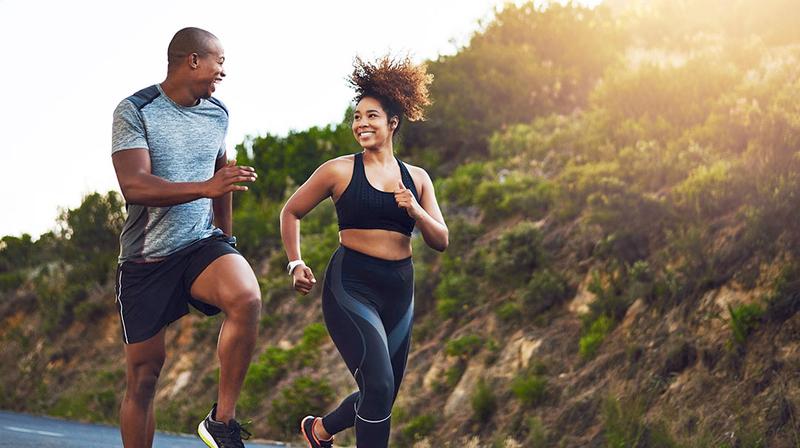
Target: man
(168, 149)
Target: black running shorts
(152, 295)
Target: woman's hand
(303, 279)
(406, 200)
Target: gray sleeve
(222, 150)
(127, 132)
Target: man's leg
(137, 418)
(230, 284)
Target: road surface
(28, 431)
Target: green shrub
(11, 280)
(302, 397)
(537, 434)
(459, 188)
(513, 194)
(516, 255)
(708, 190)
(453, 374)
(484, 402)
(508, 311)
(275, 362)
(544, 290)
(623, 423)
(744, 319)
(530, 390)
(593, 338)
(465, 346)
(625, 427)
(419, 427)
(313, 335)
(455, 294)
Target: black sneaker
(307, 428)
(219, 435)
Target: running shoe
(307, 428)
(219, 435)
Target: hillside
(621, 187)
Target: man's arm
(223, 205)
(139, 186)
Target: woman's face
(371, 127)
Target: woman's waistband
(375, 261)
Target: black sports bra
(363, 206)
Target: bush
(453, 374)
(744, 319)
(419, 427)
(457, 290)
(483, 402)
(465, 346)
(302, 397)
(537, 435)
(508, 311)
(513, 194)
(275, 362)
(517, 254)
(544, 290)
(624, 426)
(530, 390)
(592, 340)
(10, 281)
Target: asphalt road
(28, 431)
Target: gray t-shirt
(184, 144)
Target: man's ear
(194, 60)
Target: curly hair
(398, 84)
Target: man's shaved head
(187, 41)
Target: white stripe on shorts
(119, 299)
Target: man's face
(209, 70)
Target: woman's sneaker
(219, 435)
(307, 428)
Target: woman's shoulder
(418, 173)
(338, 165)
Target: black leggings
(368, 304)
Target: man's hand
(225, 179)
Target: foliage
(465, 346)
(744, 319)
(302, 397)
(272, 365)
(597, 332)
(530, 389)
(524, 49)
(624, 426)
(483, 402)
(418, 428)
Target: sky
(66, 65)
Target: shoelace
(238, 430)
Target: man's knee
(243, 304)
(143, 379)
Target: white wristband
(293, 264)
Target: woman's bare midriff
(378, 243)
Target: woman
(368, 295)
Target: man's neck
(178, 92)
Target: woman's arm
(427, 213)
(317, 188)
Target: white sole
(206, 436)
